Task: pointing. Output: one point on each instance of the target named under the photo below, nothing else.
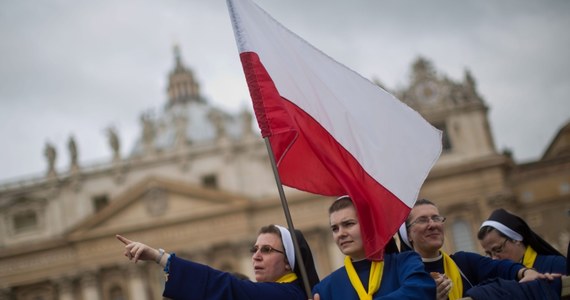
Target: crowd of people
(519, 263)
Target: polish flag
(332, 131)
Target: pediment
(560, 145)
(156, 202)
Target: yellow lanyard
(529, 257)
(373, 280)
(451, 270)
(287, 278)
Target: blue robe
(499, 288)
(476, 268)
(403, 277)
(550, 264)
(190, 280)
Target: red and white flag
(332, 131)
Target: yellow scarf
(373, 280)
(287, 278)
(529, 257)
(451, 270)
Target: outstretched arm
(527, 274)
(203, 282)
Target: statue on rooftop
(72, 151)
(51, 154)
(114, 142)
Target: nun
(275, 266)
(507, 236)
(424, 233)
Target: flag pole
(298, 256)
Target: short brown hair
(270, 229)
(340, 203)
(274, 230)
(418, 203)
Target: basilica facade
(198, 182)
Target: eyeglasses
(497, 250)
(265, 249)
(425, 220)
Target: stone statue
(114, 142)
(422, 69)
(246, 119)
(51, 154)
(217, 119)
(470, 83)
(148, 128)
(180, 124)
(72, 151)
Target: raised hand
(138, 251)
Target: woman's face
(498, 246)
(268, 267)
(426, 238)
(346, 232)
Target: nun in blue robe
(545, 258)
(538, 254)
(188, 280)
(473, 268)
(403, 277)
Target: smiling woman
(464, 270)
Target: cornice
(471, 165)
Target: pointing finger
(123, 239)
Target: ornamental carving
(156, 201)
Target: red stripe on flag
(310, 159)
(271, 118)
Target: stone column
(65, 287)
(5, 294)
(137, 286)
(244, 260)
(89, 285)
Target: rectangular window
(100, 202)
(210, 181)
(25, 221)
(462, 236)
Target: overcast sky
(74, 67)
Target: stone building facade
(198, 182)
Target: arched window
(462, 237)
